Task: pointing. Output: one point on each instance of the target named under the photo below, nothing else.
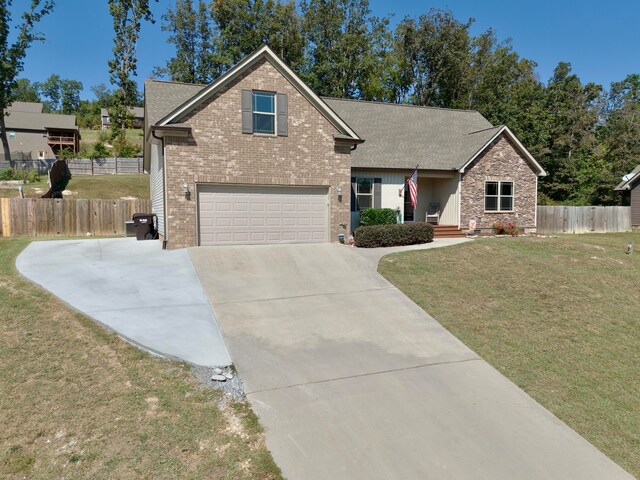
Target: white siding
(430, 190)
(392, 183)
(157, 185)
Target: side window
(12, 134)
(264, 112)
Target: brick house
(257, 157)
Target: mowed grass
(560, 317)
(79, 402)
(89, 137)
(91, 187)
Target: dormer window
(264, 113)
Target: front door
(408, 208)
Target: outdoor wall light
(339, 190)
(185, 190)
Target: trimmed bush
(393, 235)
(378, 216)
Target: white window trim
(372, 181)
(499, 196)
(275, 113)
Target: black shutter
(377, 193)
(247, 111)
(354, 201)
(283, 115)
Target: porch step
(447, 231)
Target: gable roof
(137, 112)
(628, 179)
(177, 114)
(32, 107)
(39, 121)
(403, 136)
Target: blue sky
(600, 39)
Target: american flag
(412, 181)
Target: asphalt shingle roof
(28, 118)
(630, 178)
(162, 98)
(396, 136)
(403, 136)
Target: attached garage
(251, 215)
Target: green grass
(89, 137)
(558, 316)
(91, 187)
(79, 402)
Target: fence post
(116, 158)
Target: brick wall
(218, 152)
(499, 162)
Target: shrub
(29, 176)
(393, 235)
(378, 216)
(7, 174)
(505, 228)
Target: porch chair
(433, 213)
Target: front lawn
(79, 402)
(560, 317)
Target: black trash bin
(145, 229)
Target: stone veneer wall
(218, 152)
(503, 157)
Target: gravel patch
(225, 379)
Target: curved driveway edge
(149, 296)
(352, 380)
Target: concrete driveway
(151, 297)
(352, 380)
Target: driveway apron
(151, 297)
(352, 380)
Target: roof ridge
(401, 105)
(171, 82)
(486, 129)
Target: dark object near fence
(393, 235)
(145, 227)
(59, 177)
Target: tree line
(587, 136)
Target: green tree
(619, 137)
(341, 42)
(128, 16)
(62, 96)
(573, 115)
(13, 54)
(103, 94)
(25, 91)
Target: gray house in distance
(137, 112)
(34, 135)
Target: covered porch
(437, 196)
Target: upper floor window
(264, 113)
(498, 196)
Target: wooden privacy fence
(82, 166)
(560, 219)
(51, 217)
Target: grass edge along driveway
(79, 402)
(557, 316)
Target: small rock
(219, 378)
(217, 371)
(228, 376)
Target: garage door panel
(254, 215)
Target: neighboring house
(630, 190)
(257, 157)
(34, 135)
(136, 112)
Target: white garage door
(233, 215)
